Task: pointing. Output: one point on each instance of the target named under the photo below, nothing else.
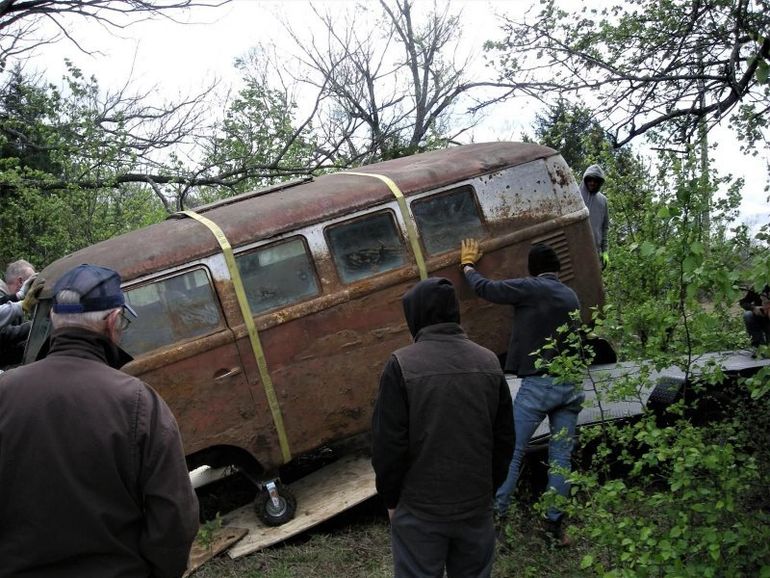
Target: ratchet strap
(256, 345)
(410, 230)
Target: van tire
(268, 513)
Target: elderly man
(19, 277)
(93, 475)
(442, 437)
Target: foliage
(259, 141)
(682, 508)
(647, 64)
(208, 530)
(678, 493)
(53, 149)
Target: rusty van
(265, 319)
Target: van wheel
(273, 514)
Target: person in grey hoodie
(596, 202)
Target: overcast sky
(182, 57)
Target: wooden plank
(221, 539)
(320, 496)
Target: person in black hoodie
(442, 438)
(756, 317)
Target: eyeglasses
(124, 321)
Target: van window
(171, 310)
(278, 275)
(446, 219)
(366, 247)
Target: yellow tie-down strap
(256, 345)
(410, 230)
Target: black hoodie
(442, 429)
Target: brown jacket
(93, 480)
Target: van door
(184, 350)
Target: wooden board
(221, 539)
(320, 496)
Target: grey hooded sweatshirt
(597, 208)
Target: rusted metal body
(325, 351)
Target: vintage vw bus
(265, 319)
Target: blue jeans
(540, 396)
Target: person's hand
(30, 300)
(605, 260)
(391, 512)
(470, 252)
(22, 292)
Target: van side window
(171, 310)
(278, 275)
(366, 247)
(446, 219)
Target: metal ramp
(662, 387)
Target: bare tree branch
(647, 66)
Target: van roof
(262, 215)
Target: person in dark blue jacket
(542, 304)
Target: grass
(356, 544)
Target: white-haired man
(17, 299)
(93, 474)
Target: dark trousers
(423, 548)
(758, 328)
(13, 338)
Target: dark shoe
(555, 534)
(501, 523)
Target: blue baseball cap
(98, 287)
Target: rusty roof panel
(180, 240)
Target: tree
(260, 141)
(60, 182)
(23, 22)
(389, 87)
(669, 66)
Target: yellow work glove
(470, 252)
(30, 299)
(605, 260)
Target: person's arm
(504, 436)
(170, 505)
(8, 298)
(509, 291)
(750, 300)
(390, 434)
(10, 312)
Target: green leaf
(762, 71)
(587, 561)
(646, 249)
